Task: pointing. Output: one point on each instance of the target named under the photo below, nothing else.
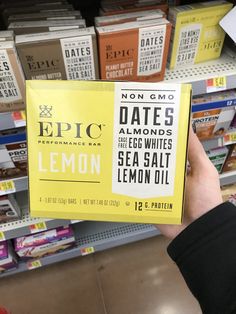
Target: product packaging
(6, 35)
(12, 82)
(44, 243)
(30, 27)
(229, 193)
(117, 153)
(196, 33)
(13, 154)
(7, 257)
(230, 163)
(9, 209)
(213, 113)
(111, 9)
(218, 156)
(134, 51)
(128, 17)
(70, 54)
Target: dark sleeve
(205, 253)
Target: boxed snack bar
(116, 153)
(44, 243)
(70, 54)
(12, 82)
(111, 9)
(128, 17)
(7, 257)
(13, 154)
(6, 35)
(52, 15)
(196, 34)
(230, 163)
(134, 51)
(229, 193)
(218, 156)
(213, 113)
(30, 27)
(9, 208)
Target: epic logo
(124, 53)
(43, 65)
(76, 130)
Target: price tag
(19, 118)
(34, 264)
(40, 226)
(229, 138)
(216, 84)
(7, 187)
(2, 236)
(87, 250)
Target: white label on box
(9, 89)
(151, 48)
(78, 58)
(145, 140)
(189, 38)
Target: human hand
(202, 188)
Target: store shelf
(198, 74)
(27, 224)
(13, 185)
(93, 237)
(11, 120)
(228, 178)
(228, 138)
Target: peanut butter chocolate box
(134, 51)
(12, 82)
(70, 54)
(30, 27)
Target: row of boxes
(133, 46)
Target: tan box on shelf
(12, 82)
(128, 17)
(230, 163)
(196, 34)
(134, 6)
(30, 27)
(134, 51)
(70, 54)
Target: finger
(196, 155)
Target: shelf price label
(87, 250)
(7, 187)
(229, 138)
(19, 118)
(34, 264)
(216, 84)
(2, 236)
(38, 227)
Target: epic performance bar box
(70, 54)
(12, 81)
(197, 35)
(134, 51)
(107, 151)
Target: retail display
(70, 54)
(230, 163)
(218, 156)
(9, 208)
(111, 9)
(30, 27)
(196, 35)
(134, 51)
(13, 154)
(44, 243)
(7, 257)
(212, 114)
(12, 82)
(76, 155)
(131, 161)
(128, 17)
